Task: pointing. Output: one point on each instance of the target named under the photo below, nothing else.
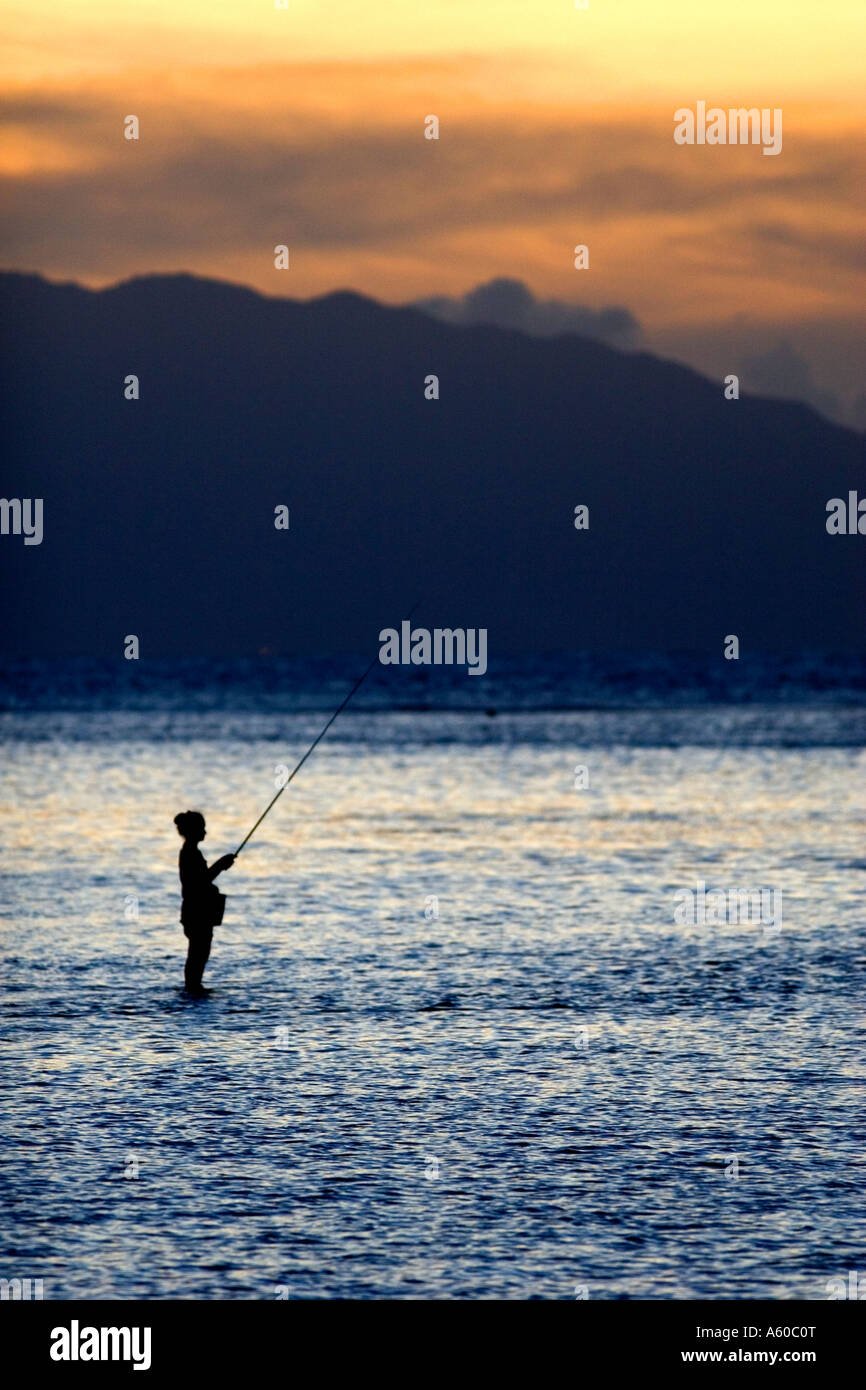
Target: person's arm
(220, 864)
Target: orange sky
(305, 126)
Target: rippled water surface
(457, 1044)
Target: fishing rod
(296, 769)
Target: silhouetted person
(202, 904)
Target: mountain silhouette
(706, 516)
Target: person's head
(190, 824)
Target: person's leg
(196, 958)
(189, 967)
(204, 950)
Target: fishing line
(296, 769)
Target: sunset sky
(305, 126)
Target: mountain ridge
(706, 515)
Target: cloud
(511, 304)
(330, 159)
(841, 247)
(782, 372)
(226, 157)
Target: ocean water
(457, 1045)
